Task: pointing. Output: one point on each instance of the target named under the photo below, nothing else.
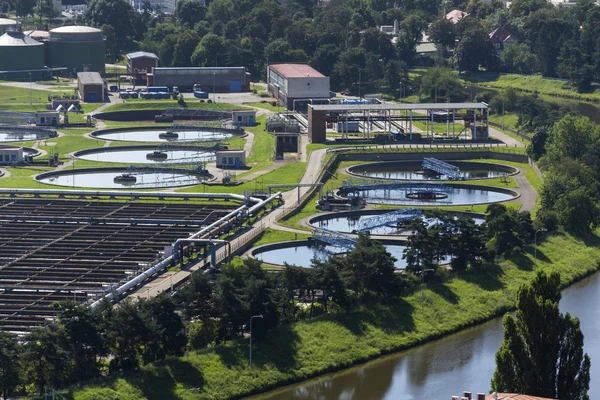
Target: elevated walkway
(333, 238)
(442, 168)
(395, 217)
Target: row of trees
(83, 343)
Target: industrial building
(465, 121)
(91, 87)
(141, 62)
(210, 79)
(47, 118)
(20, 56)
(243, 117)
(293, 82)
(231, 159)
(78, 48)
(10, 155)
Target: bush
(209, 101)
(201, 334)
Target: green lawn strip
(274, 235)
(289, 173)
(22, 177)
(70, 142)
(509, 121)
(328, 343)
(265, 106)
(143, 104)
(264, 143)
(12, 94)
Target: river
(438, 370)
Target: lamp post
(423, 287)
(251, 318)
(30, 102)
(214, 98)
(535, 240)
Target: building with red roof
(291, 82)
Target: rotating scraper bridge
(55, 248)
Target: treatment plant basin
(439, 195)
(171, 135)
(300, 253)
(149, 154)
(412, 170)
(347, 222)
(123, 178)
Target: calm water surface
(459, 196)
(447, 367)
(153, 136)
(105, 180)
(138, 156)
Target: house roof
(90, 78)
(423, 48)
(456, 15)
(513, 396)
(296, 70)
(139, 54)
(501, 35)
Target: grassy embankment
(531, 84)
(144, 104)
(328, 343)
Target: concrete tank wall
(14, 58)
(75, 54)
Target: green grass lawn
(332, 342)
(12, 95)
(143, 104)
(264, 143)
(22, 178)
(265, 106)
(289, 173)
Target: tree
(420, 248)
(572, 136)
(184, 48)
(209, 50)
(189, 12)
(475, 51)
(116, 13)
(439, 84)
(24, 7)
(46, 360)
(411, 32)
(441, 32)
(542, 351)
(9, 364)
(45, 9)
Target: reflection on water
(138, 156)
(459, 196)
(349, 224)
(449, 366)
(153, 136)
(302, 255)
(105, 180)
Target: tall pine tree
(542, 352)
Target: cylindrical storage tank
(8, 24)
(78, 48)
(20, 52)
(42, 37)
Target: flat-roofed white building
(289, 82)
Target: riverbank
(333, 342)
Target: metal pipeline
(191, 239)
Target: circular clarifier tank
(412, 170)
(169, 135)
(300, 253)
(149, 154)
(123, 178)
(348, 222)
(403, 194)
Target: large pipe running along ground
(130, 194)
(164, 263)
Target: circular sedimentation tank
(124, 178)
(149, 154)
(78, 48)
(405, 194)
(20, 52)
(412, 170)
(300, 253)
(347, 222)
(168, 135)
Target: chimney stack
(396, 30)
